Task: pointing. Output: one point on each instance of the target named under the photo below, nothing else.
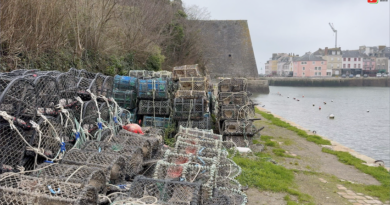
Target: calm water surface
(366, 132)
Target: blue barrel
(125, 83)
(152, 89)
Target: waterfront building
(310, 65)
(267, 68)
(352, 62)
(369, 63)
(382, 59)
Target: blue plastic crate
(153, 89)
(126, 99)
(125, 83)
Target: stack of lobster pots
(235, 111)
(191, 106)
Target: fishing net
(91, 176)
(229, 98)
(185, 71)
(195, 140)
(159, 108)
(105, 112)
(158, 122)
(17, 98)
(227, 182)
(85, 74)
(124, 83)
(113, 165)
(67, 87)
(47, 97)
(74, 72)
(232, 85)
(25, 190)
(190, 109)
(190, 94)
(152, 89)
(136, 141)
(236, 197)
(107, 87)
(127, 116)
(193, 83)
(133, 155)
(228, 168)
(85, 84)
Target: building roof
(310, 57)
(353, 54)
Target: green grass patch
(379, 173)
(271, 144)
(256, 142)
(278, 122)
(266, 137)
(280, 152)
(265, 175)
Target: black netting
(85, 84)
(67, 87)
(48, 97)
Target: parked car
(343, 76)
(350, 76)
(378, 75)
(384, 75)
(365, 75)
(357, 75)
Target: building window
(315, 68)
(354, 65)
(345, 59)
(331, 65)
(303, 68)
(322, 62)
(349, 65)
(314, 62)
(338, 65)
(343, 65)
(354, 59)
(358, 59)
(359, 65)
(319, 73)
(303, 73)
(333, 52)
(349, 59)
(319, 68)
(295, 74)
(328, 73)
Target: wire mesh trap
(86, 74)
(140, 74)
(89, 176)
(190, 94)
(153, 141)
(152, 89)
(124, 83)
(85, 84)
(18, 98)
(235, 196)
(207, 134)
(159, 122)
(188, 148)
(195, 140)
(200, 124)
(113, 165)
(232, 85)
(165, 75)
(234, 112)
(239, 127)
(193, 83)
(174, 158)
(230, 98)
(47, 97)
(125, 99)
(158, 108)
(185, 71)
(67, 87)
(26, 190)
(189, 109)
(133, 155)
(105, 89)
(134, 140)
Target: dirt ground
(326, 170)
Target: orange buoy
(133, 128)
(319, 108)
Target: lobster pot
(74, 72)
(126, 99)
(133, 155)
(19, 71)
(90, 124)
(242, 128)
(206, 134)
(235, 196)
(159, 122)
(167, 192)
(227, 182)
(106, 87)
(232, 85)
(159, 108)
(155, 141)
(188, 148)
(26, 190)
(90, 109)
(12, 147)
(185, 71)
(232, 112)
(152, 89)
(193, 83)
(136, 141)
(230, 98)
(85, 84)
(125, 83)
(162, 74)
(141, 74)
(47, 95)
(200, 124)
(178, 159)
(17, 98)
(228, 168)
(67, 87)
(189, 109)
(128, 116)
(193, 139)
(112, 164)
(85, 74)
(190, 94)
(240, 141)
(104, 109)
(89, 176)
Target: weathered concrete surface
(230, 52)
(329, 82)
(258, 86)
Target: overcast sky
(299, 26)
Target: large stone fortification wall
(230, 51)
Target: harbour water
(366, 132)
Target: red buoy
(133, 128)
(319, 108)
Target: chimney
(326, 51)
(274, 56)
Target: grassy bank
(381, 174)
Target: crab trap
(189, 109)
(26, 190)
(153, 89)
(67, 87)
(198, 150)
(227, 182)
(47, 95)
(200, 124)
(239, 127)
(231, 98)
(234, 112)
(127, 116)
(193, 83)
(86, 74)
(228, 168)
(240, 141)
(159, 122)
(85, 84)
(164, 191)
(125, 83)
(195, 140)
(153, 142)
(141, 74)
(155, 108)
(174, 158)
(133, 155)
(185, 71)
(206, 134)
(104, 85)
(18, 98)
(88, 176)
(165, 75)
(112, 165)
(12, 147)
(126, 99)
(190, 94)
(236, 197)
(232, 85)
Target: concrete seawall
(258, 86)
(329, 82)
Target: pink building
(369, 63)
(310, 65)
